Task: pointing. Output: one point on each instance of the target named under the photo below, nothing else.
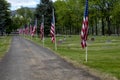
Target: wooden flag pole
(43, 41)
(86, 56)
(55, 43)
(36, 27)
(55, 30)
(43, 30)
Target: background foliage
(103, 16)
(5, 20)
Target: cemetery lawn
(103, 52)
(4, 45)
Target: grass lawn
(103, 52)
(4, 45)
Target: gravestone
(92, 39)
(60, 41)
(108, 41)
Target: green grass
(103, 53)
(4, 45)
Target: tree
(69, 16)
(116, 17)
(103, 16)
(103, 9)
(45, 8)
(4, 15)
(27, 15)
(21, 18)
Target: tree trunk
(96, 32)
(92, 30)
(117, 30)
(108, 24)
(103, 32)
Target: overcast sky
(15, 4)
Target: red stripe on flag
(52, 32)
(84, 32)
(34, 30)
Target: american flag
(34, 28)
(52, 30)
(20, 31)
(23, 30)
(42, 31)
(84, 30)
(27, 30)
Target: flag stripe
(52, 30)
(84, 30)
(34, 28)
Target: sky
(15, 4)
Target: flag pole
(36, 27)
(43, 30)
(86, 57)
(31, 32)
(84, 31)
(55, 30)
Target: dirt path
(28, 61)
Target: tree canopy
(103, 16)
(44, 9)
(5, 20)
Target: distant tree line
(103, 16)
(10, 21)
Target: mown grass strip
(4, 45)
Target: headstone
(60, 41)
(64, 38)
(108, 41)
(92, 39)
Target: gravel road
(28, 61)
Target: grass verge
(4, 45)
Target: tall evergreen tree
(45, 8)
(4, 15)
